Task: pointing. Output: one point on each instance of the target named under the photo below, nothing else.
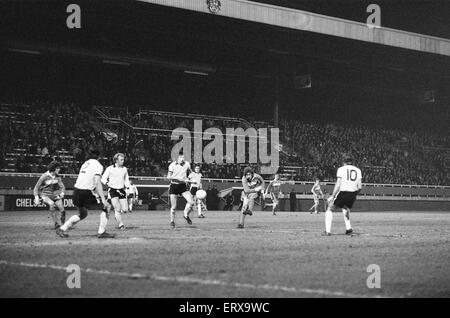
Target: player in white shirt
(116, 177)
(317, 195)
(179, 171)
(195, 179)
(132, 196)
(347, 187)
(87, 182)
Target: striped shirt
(249, 186)
(274, 187)
(49, 184)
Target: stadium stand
(385, 155)
(32, 134)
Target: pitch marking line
(193, 280)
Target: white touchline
(193, 280)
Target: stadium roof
(139, 33)
(428, 17)
(312, 22)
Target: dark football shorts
(178, 188)
(345, 199)
(83, 198)
(117, 193)
(130, 196)
(194, 190)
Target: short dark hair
(347, 158)
(52, 166)
(248, 170)
(94, 154)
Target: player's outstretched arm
(105, 176)
(61, 187)
(127, 179)
(359, 185)
(246, 186)
(269, 188)
(337, 186)
(37, 187)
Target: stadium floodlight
(196, 73)
(116, 62)
(24, 51)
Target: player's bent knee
(83, 213)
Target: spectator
(293, 200)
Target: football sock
(55, 218)
(103, 223)
(74, 219)
(187, 209)
(346, 213)
(241, 219)
(328, 220)
(118, 216)
(172, 215)
(199, 207)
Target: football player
(195, 179)
(317, 195)
(50, 189)
(179, 171)
(117, 179)
(347, 187)
(274, 190)
(253, 185)
(132, 196)
(87, 182)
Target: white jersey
(179, 171)
(196, 179)
(116, 177)
(350, 178)
(88, 171)
(132, 189)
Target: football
(200, 194)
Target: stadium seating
(34, 133)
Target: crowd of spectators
(33, 134)
(37, 133)
(384, 155)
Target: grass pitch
(274, 256)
